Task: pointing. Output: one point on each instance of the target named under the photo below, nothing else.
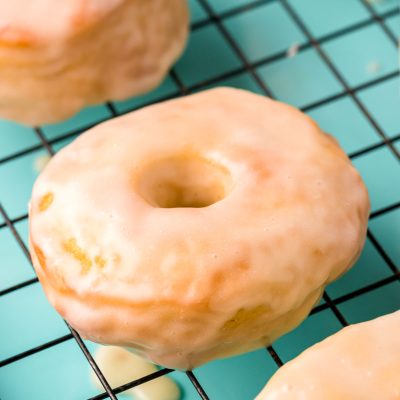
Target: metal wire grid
(214, 18)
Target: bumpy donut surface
(361, 362)
(197, 228)
(58, 56)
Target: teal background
(262, 32)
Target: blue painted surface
(384, 6)
(264, 31)
(324, 17)
(244, 376)
(85, 118)
(166, 88)
(27, 320)
(22, 228)
(387, 228)
(383, 102)
(14, 266)
(15, 138)
(351, 129)
(16, 180)
(241, 81)
(394, 25)
(314, 329)
(197, 12)
(300, 80)
(383, 300)
(369, 268)
(220, 6)
(381, 173)
(360, 62)
(207, 55)
(58, 373)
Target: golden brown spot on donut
(243, 265)
(45, 201)
(216, 279)
(259, 167)
(332, 146)
(116, 259)
(40, 256)
(100, 261)
(71, 247)
(317, 253)
(243, 316)
(16, 37)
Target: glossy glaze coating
(361, 362)
(58, 56)
(198, 228)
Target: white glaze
(186, 285)
(361, 362)
(40, 162)
(120, 366)
(58, 56)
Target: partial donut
(361, 362)
(198, 228)
(58, 56)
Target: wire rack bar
(196, 384)
(236, 10)
(368, 149)
(385, 210)
(112, 109)
(376, 17)
(18, 286)
(92, 363)
(275, 357)
(331, 304)
(42, 139)
(34, 350)
(228, 37)
(134, 383)
(15, 233)
(338, 75)
(231, 12)
(21, 153)
(344, 93)
(178, 81)
(382, 252)
(358, 292)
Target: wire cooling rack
(335, 61)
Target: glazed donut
(197, 228)
(360, 362)
(58, 56)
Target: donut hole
(183, 181)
